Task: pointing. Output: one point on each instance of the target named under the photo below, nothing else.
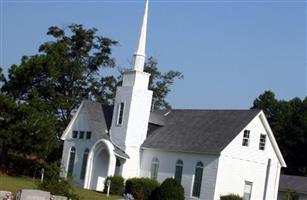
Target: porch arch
(101, 163)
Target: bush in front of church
(57, 185)
(141, 188)
(291, 195)
(117, 185)
(231, 197)
(170, 189)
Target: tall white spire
(139, 55)
(129, 128)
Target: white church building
(210, 152)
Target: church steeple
(132, 107)
(139, 55)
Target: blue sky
(229, 51)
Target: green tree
(160, 83)
(288, 120)
(64, 72)
(40, 93)
(8, 116)
(2, 78)
(268, 103)
(57, 185)
(23, 125)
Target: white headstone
(32, 195)
(59, 197)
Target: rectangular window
(120, 115)
(88, 134)
(247, 190)
(81, 134)
(262, 142)
(154, 168)
(74, 134)
(245, 141)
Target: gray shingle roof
(120, 152)
(296, 183)
(99, 118)
(96, 119)
(200, 131)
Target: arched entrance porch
(101, 163)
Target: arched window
(84, 162)
(178, 170)
(197, 179)
(154, 168)
(71, 162)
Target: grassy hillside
(13, 184)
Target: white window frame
(199, 165)
(251, 189)
(71, 150)
(84, 163)
(154, 170)
(246, 138)
(262, 142)
(179, 164)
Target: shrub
(141, 188)
(231, 197)
(56, 185)
(117, 185)
(291, 195)
(170, 189)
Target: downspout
(267, 178)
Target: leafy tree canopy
(160, 83)
(2, 78)
(39, 95)
(64, 71)
(288, 120)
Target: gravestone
(4, 194)
(32, 195)
(59, 197)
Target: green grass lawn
(13, 184)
